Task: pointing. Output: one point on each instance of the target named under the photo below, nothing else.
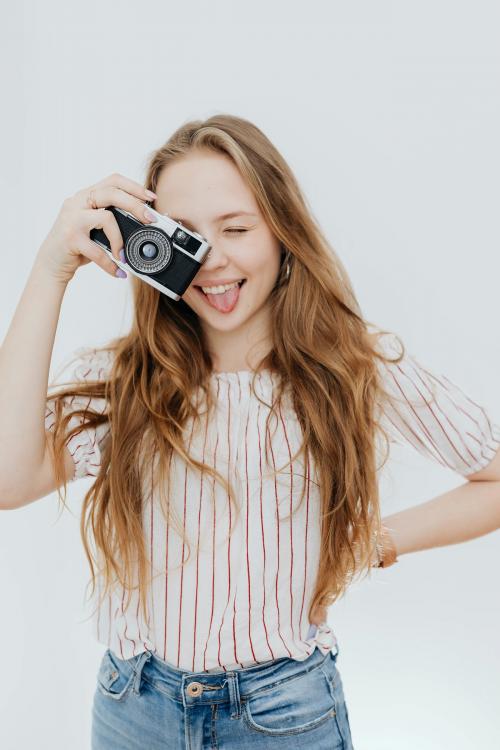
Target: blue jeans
(143, 703)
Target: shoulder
(387, 343)
(90, 363)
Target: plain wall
(389, 115)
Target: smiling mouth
(225, 302)
(240, 284)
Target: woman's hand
(318, 615)
(384, 555)
(68, 245)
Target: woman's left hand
(318, 615)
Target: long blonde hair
(322, 350)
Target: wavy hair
(327, 357)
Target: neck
(241, 349)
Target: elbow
(6, 503)
(13, 497)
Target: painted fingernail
(150, 194)
(122, 255)
(149, 215)
(121, 274)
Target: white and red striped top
(243, 600)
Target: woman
(234, 440)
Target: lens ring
(141, 237)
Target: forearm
(465, 512)
(25, 357)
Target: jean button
(194, 688)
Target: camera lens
(148, 250)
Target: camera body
(162, 253)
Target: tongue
(225, 301)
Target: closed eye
(236, 230)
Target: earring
(286, 254)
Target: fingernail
(149, 215)
(122, 255)
(121, 274)
(150, 194)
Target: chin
(223, 321)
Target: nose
(214, 258)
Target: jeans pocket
(292, 706)
(115, 676)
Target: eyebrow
(229, 215)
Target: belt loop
(234, 695)
(141, 661)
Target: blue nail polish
(122, 255)
(121, 274)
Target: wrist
(42, 272)
(386, 551)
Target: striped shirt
(243, 600)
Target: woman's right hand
(68, 245)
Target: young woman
(234, 438)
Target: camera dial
(148, 250)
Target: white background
(389, 115)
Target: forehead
(203, 184)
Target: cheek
(190, 297)
(266, 266)
(271, 271)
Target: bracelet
(386, 550)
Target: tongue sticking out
(226, 301)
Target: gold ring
(91, 200)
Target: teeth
(219, 289)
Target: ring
(91, 200)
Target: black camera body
(162, 253)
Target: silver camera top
(177, 235)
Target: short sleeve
(434, 415)
(85, 446)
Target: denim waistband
(230, 686)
